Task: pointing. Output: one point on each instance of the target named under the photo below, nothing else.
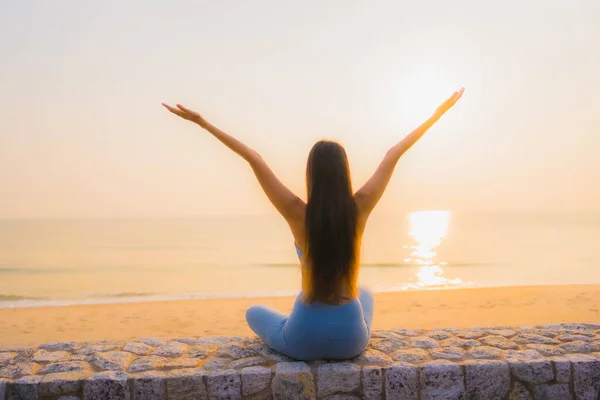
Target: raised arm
(369, 194)
(287, 203)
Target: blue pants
(317, 331)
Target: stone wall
(542, 362)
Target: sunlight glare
(421, 93)
(428, 229)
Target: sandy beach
(418, 309)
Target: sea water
(89, 261)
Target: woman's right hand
(188, 114)
(451, 101)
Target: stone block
(442, 379)
(337, 377)
(401, 382)
(487, 379)
(293, 380)
(372, 383)
(186, 384)
(106, 385)
(223, 385)
(148, 385)
(586, 376)
(255, 380)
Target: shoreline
(418, 309)
(165, 298)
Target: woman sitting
(331, 318)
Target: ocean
(91, 261)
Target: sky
(82, 132)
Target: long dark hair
(331, 255)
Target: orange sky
(82, 132)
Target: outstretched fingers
(172, 109)
(456, 95)
(453, 99)
(459, 93)
(182, 108)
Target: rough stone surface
(202, 351)
(18, 369)
(388, 345)
(235, 351)
(485, 352)
(447, 353)
(247, 362)
(499, 342)
(519, 392)
(182, 362)
(154, 341)
(186, 384)
(216, 363)
(214, 340)
(371, 356)
(558, 391)
(49, 356)
(410, 355)
(372, 383)
(529, 366)
(502, 332)
(570, 337)
(270, 354)
(546, 350)
(470, 334)
(255, 380)
(408, 332)
(438, 334)
(586, 376)
(341, 396)
(148, 363)
(224, 385)
(58, 346)
(458, 342)
(293, 380)
(578, 347)
(172, 349)
(442, 380)
(5, 358)
(338, 377)
(487, 379)
(106, 385)
(545, 361)
(562, 368)
(113, 360)
(424, 342)
(532, 338)
(96, 348)
(148, 385)
(401, 382)
(65, 366)
(24, 388)
(141, 349)
(61, 383)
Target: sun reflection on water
(428, 229)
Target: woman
(331, 318)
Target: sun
(420, 93)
